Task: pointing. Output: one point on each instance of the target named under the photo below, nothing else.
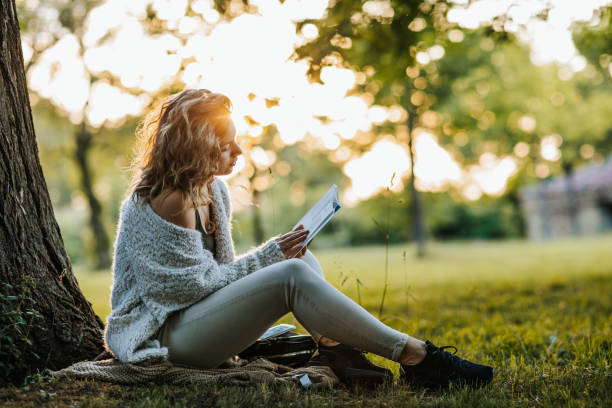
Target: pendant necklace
(210, 227)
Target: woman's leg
(229, 320)
(310, 259)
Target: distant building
(580, 204)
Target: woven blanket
(163, 371)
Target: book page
(320, 214)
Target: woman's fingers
(298, 238)
(293, 236)
(295, 250)
(303, 251)
(291, 242)
(294, 246)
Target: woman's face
(229, 150)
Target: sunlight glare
(27, 51)
(527, 123)
(542, 170)
(60, 75)
(235, 58)
(170, 9)
(378, 8)
(436, 52)
(255, 131)
(378, 114)
(550, 39)
(342, 79)
(372, 172)
(423, 58)
(491, 175)
(109, 103)
(549, 147)
(310, 31)
(472, 192)
(262, 158)
(434, 167)
(305, 9)
(521, 149)
(200, 6)
(330, 141)
(587, 151)
(240, 164)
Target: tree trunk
(101, 243)
(258, 230)
(416, 209)
(571, 196)
(35, 271)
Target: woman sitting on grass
(180, 293)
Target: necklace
(209, 227)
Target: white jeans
(232, 318)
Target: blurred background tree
(477, 90)
(386, 43)
(459, 113)
(49, 29)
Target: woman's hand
(291, 242)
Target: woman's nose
(237, 149)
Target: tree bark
(416, 208)
(100, 238)
(31, 247)
(258, 230)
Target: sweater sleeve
(254, 253)
(174, 276)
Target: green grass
(540, 313)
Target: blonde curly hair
(178, 146)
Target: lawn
(540, 313)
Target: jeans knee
(312, 261)
(298, 270)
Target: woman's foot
(350, 365)
(439, 368)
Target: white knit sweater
(160, 267)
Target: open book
(320, 214)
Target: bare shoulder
(171, 207)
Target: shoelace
(448, 347)
(450, 359)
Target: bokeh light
(235, 58)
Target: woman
(179, 292)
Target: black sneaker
(440, 368)
(350, 365)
